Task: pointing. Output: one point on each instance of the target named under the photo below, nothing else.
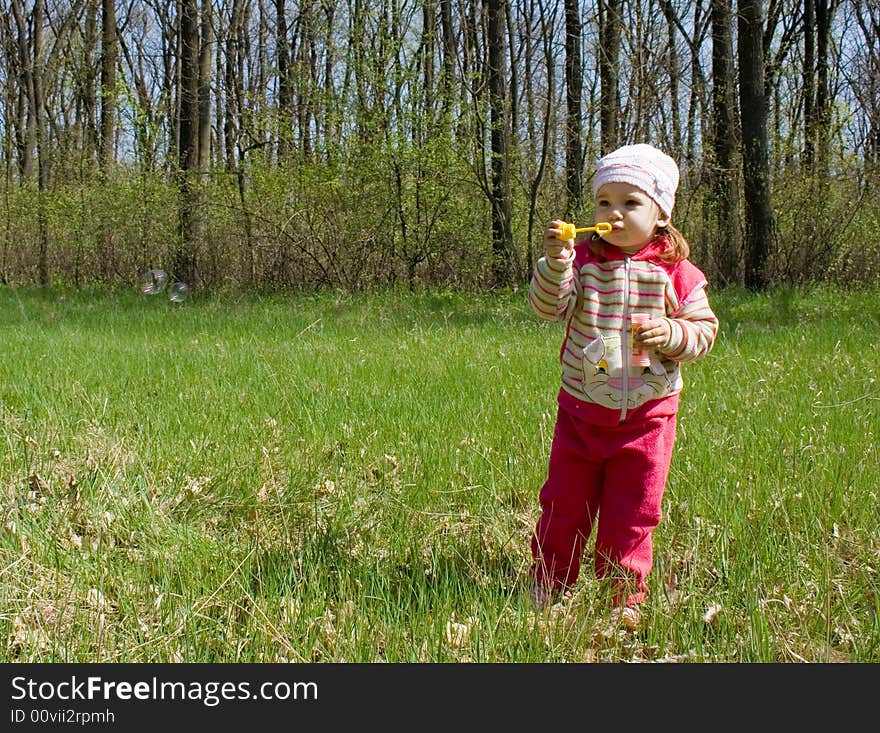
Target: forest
(343, 144)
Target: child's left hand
(654, 334)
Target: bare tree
(672, 65)
(608, 48)
(206, 42)
(233, 84)
(189, 86)
(538, 154)
(809, 84)
(502, 232)
(185, 260)
(867, 84)
(41, 140)
(427, 47)
(109, 61)
(722, 148)
(781, 34)
(306, 77)
(86, 87)
(285, 85)
(824, 101)
(447, 83)
(760, 225)
(574, 85)
(26, 111)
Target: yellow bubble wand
(567, 231)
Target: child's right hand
(555, 248)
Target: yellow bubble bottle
(567, 231)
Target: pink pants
(616, 474)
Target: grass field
(354, 478)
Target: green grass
(354, 478)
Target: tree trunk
(109, 61)
(305, 78)
(426, 52)
(542, 154)
(358, 63)
(41, 144)
(285, 88)
(87, 96)
(608, 48)
(330, 106)
(107, 154)
(574, 84)
(184, 264)
(233, 85)
(759, 229)
(674, 78)
(189, 86)
(204, 93)
(502, 234)
(868, 20)
(809, 82)
(824, 11)
(513, 47)
(26, 113)
(169, 97)
(696, 109)
(447, 84)
(722, 149)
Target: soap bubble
(153, 281)
(178, 292)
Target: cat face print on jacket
(603, 376)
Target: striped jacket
(595, 294)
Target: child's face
(633, 215)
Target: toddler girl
(632, 290)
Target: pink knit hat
(644, 166)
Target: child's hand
(554, 248)
(654, 334)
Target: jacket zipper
(626, 354)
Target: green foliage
(828, 231)
(397, 213)
(97, 234)
(341, 477)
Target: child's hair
(677, 247)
